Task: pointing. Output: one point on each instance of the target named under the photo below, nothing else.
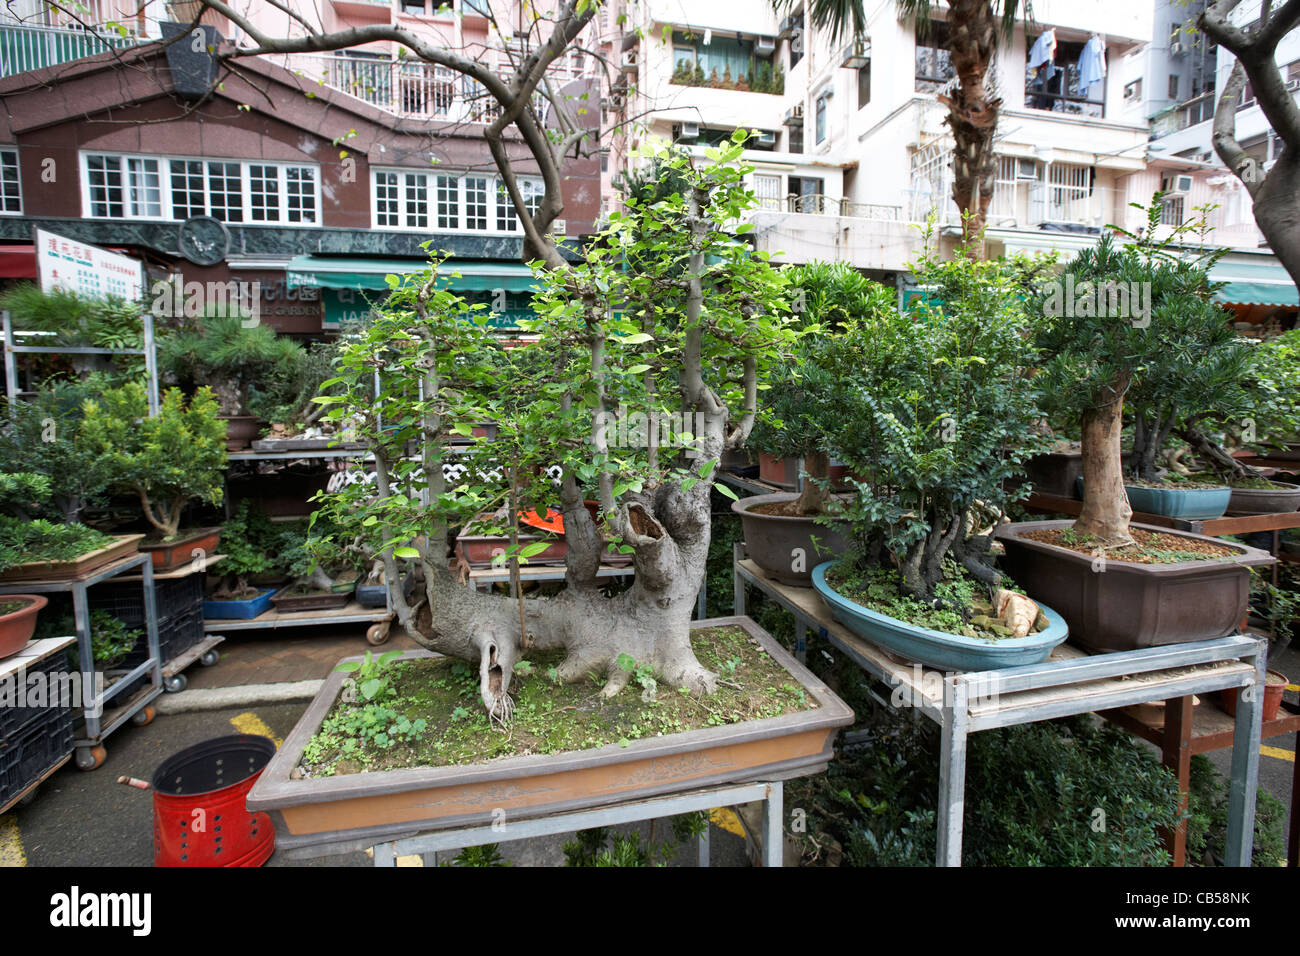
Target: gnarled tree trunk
(972, 116)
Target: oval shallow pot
(1190, 504)
(17, 627)
(1122, 606)
(361, 809)
(783, 546)
(1265, 501)
(938, 648)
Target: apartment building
(314, 176)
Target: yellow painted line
(250, 723)
(1277, 752)
(725, 818)
(11, 843)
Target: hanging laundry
(1041, 63)
(1092, 68)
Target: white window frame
(497, 201)
(245, 191)
(5, 156)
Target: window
(151, 187)
(725, 62)
(820, 117)
(386, 213)
(767, 190)
(864, 85)
(11, 198)
(1054, 86)
(476, 202)
(1133, 91)
(806, 194)
(794, 140)
(1173, 87)
(413, 7)
(933, 61)
(449, 202)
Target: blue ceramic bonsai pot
(1190, 504)
(947, 651)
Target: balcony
(24, 47)
(415, 89)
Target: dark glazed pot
(1265, 501)
(783, 546)
(1121, 606)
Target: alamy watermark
(176, 297)
(1110, 299)
(58, 690)
(633, 429)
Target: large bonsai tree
(1115, 313)
(668, 314)
(941, 411)
(230, 358)
(165, 459)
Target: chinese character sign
(85, 269)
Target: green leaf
(724, 490)
(405, 553)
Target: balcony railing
(413, 88)
(24, 47)
(818, 205)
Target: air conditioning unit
(1177, 48)
(630, 61)
(766, 138)
(1027, 169)
(1293, 83)
(788, 26)
(794, 115)
(857, 54)
(690, 131)
(1178, 184)
(764, 46)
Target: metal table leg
(737, 584)
(704, 846)
(1245, 767)
(952, 772)
(773, 833)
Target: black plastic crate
(173, 598)
(14, 719)
(175, 637)
(35, 750)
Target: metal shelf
(1069, 682)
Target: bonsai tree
(81, 321)
(230, 358)
(941, 411)
(43, 437)
(667, 315)
(803, 398)
(166, 459)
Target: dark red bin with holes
(199, 813)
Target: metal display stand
(429, 845)
(1070, 682)
(11, 349)
(99, 720)
(381, 620)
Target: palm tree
(975, 27)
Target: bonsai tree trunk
(1217, 457)
(1106, 511)
(165, 516)
(813, 497)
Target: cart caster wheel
(377, 634)
(91, 758)
(176, 683)
(144, 716)
(209, 658)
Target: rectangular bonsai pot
(385, 804)
(236, 610)
(122, 546)
(1120, 605)
(315, 601)
(170, 555)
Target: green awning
(338, 272)
(1254, 284)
